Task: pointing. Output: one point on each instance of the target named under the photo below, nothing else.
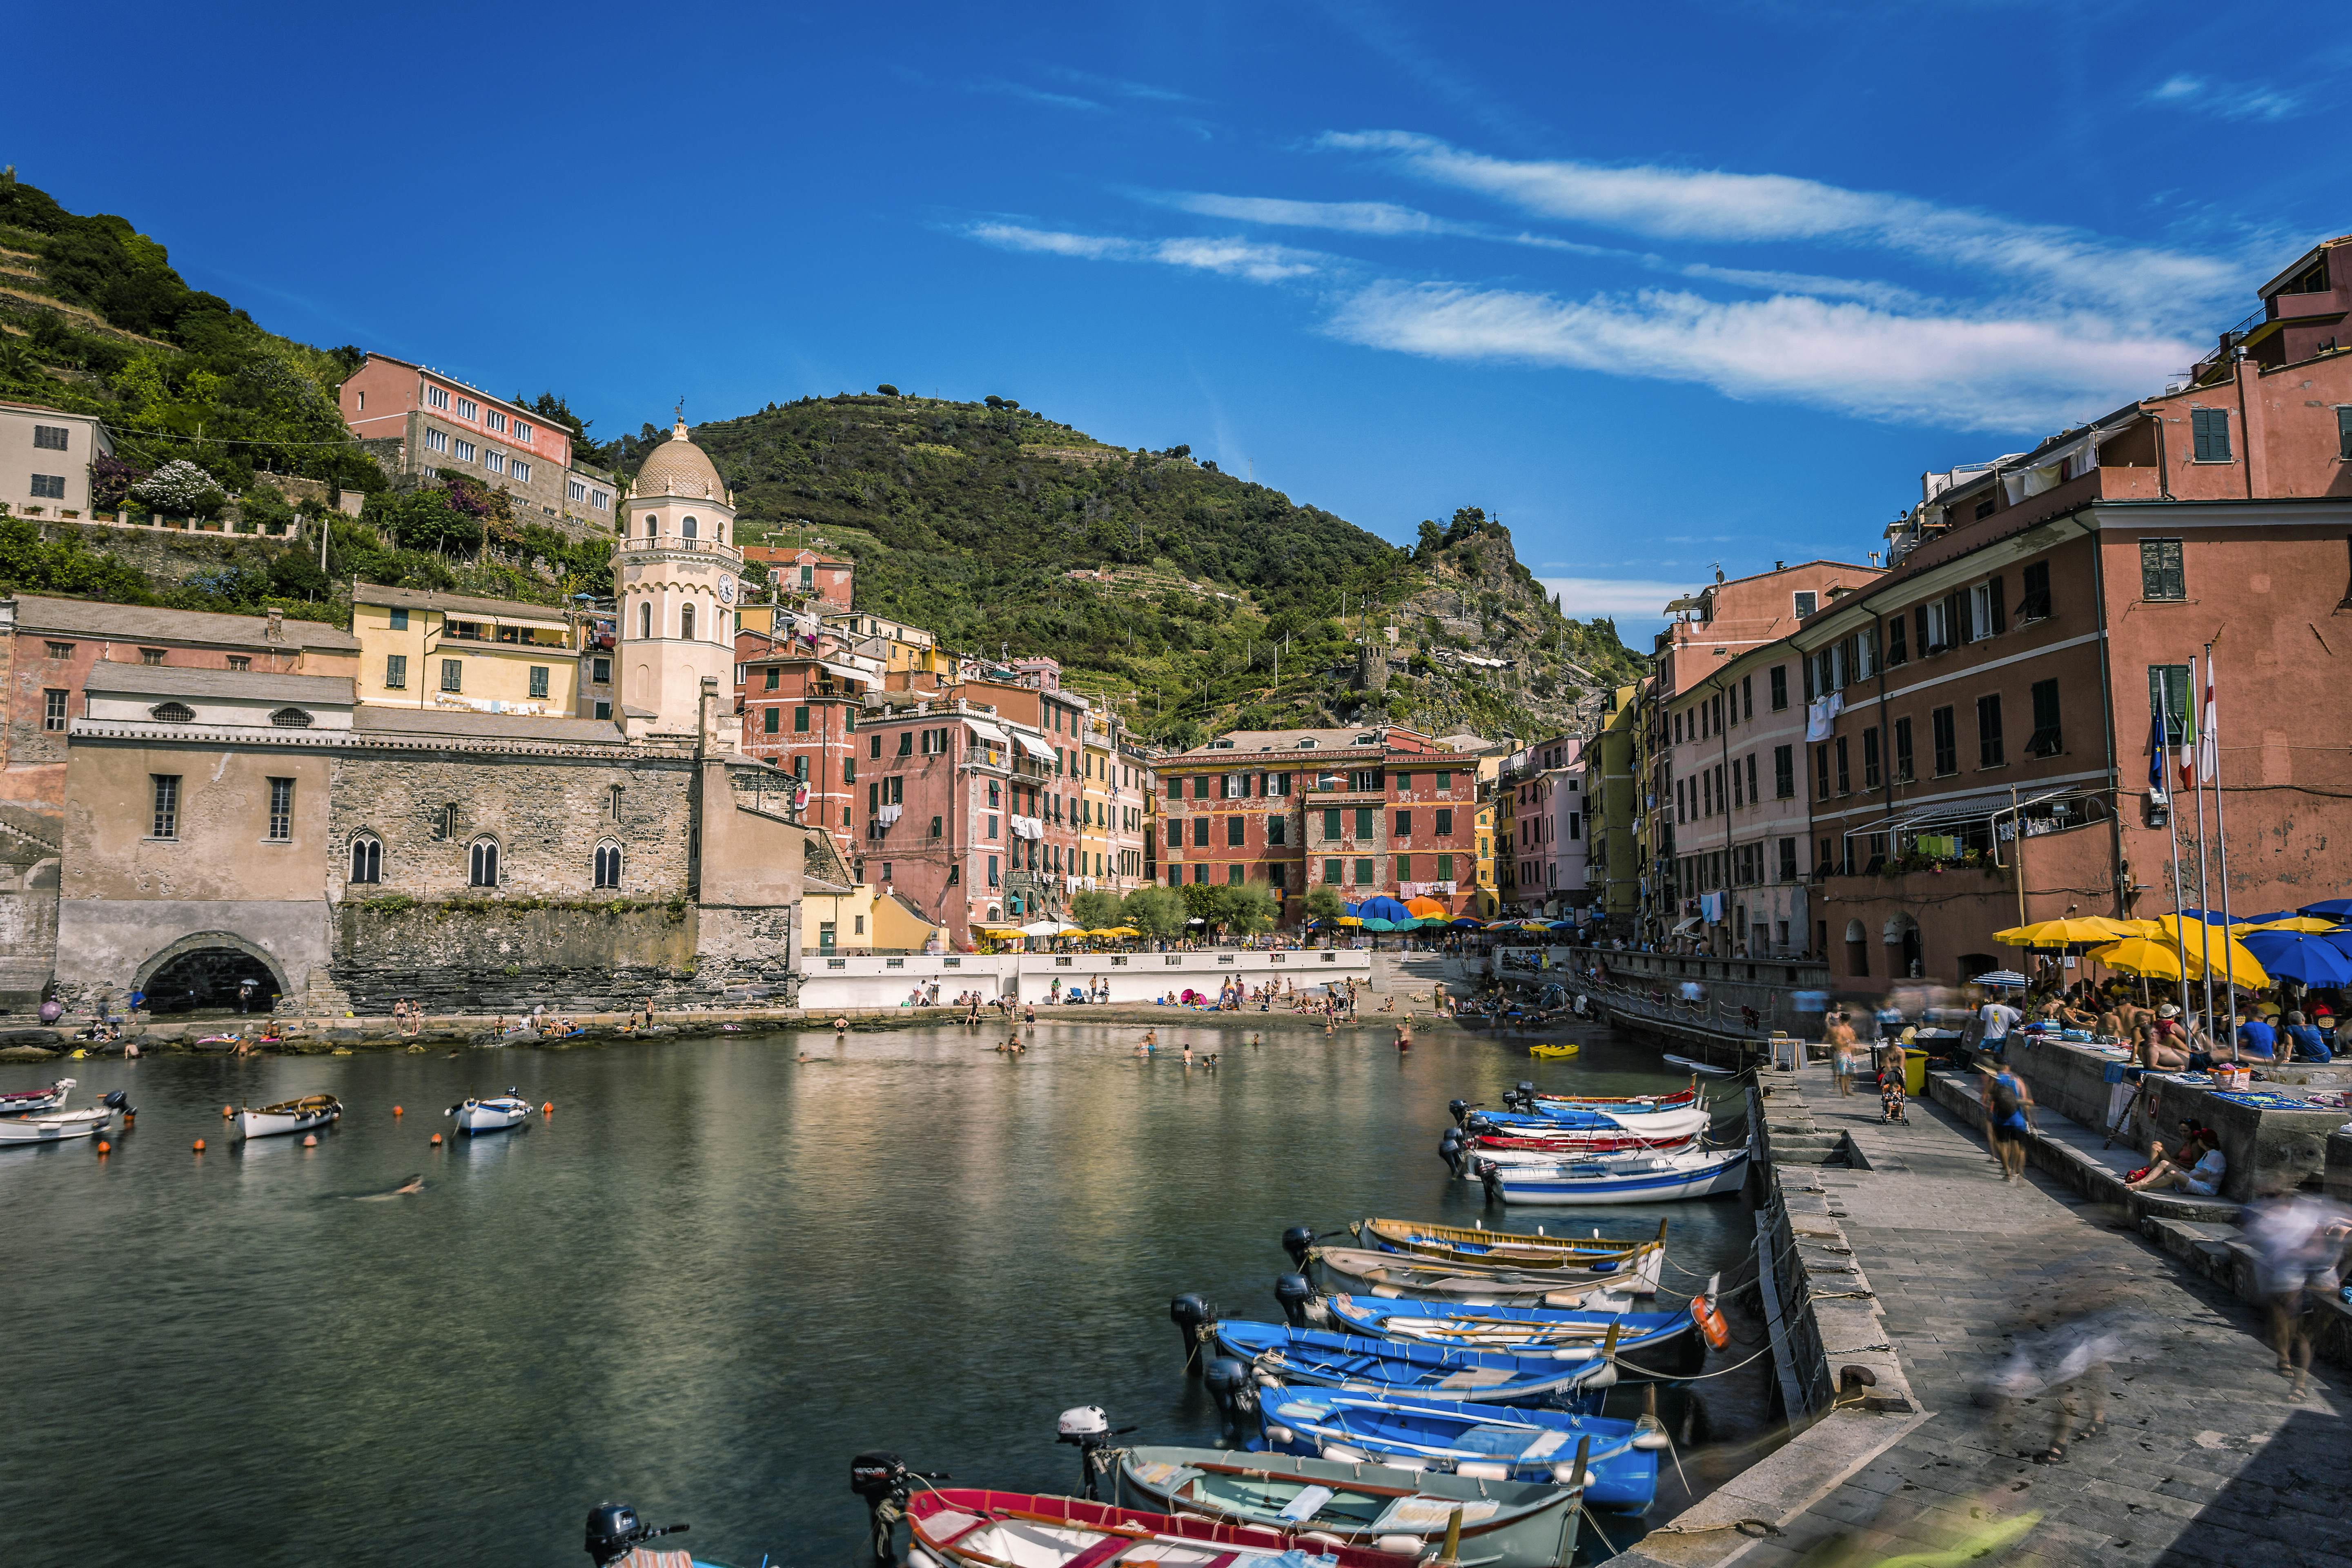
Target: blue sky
(1663, 286)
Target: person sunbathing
(2198, 1169)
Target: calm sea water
(713, 1275)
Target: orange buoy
(309, 1140)
(226, 1112)
(395, 1111)
(128, 1118)
(437, 1137)
(200, 1145)
(548, 1110)
(104, 1147)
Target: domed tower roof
(679, 468)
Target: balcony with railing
(681, 544)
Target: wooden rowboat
(56, 1126)
(1460, 1244)
(966, 1527)
(1615, 1283)
(302, 1115)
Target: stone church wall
(508, 958)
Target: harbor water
(717, 1270)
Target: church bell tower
(675, 576)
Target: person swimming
(407, 1189)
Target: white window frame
(465, 451)
(435, 440)
(518, 470)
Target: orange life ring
(1709, 1318)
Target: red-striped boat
(968, 1527)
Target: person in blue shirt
(2256, 1038)
(2305, 1041)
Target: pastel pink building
(416, 421)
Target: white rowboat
(493, 1115)
(1625, 1179)
(26, 1101)
(57, 1126)
(301, 1115)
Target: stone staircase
(1400, 972)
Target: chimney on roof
(276, 631)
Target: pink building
(416, 421)
(1545, 857)
(796, 573)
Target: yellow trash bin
(1915, 1072)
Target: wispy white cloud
(2011, 372)
(1676, 203)
(2228, 100)
(1384, 219)
(1888, 295)
(1120, 87)
(1233, 257)
(1632, 598)
(1003, 89)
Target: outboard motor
(1294, 1291)
(1088, 1428)
(1298, 1241)
(1236, 1397)
(1192, 1315)
(1449, 1149)
(1527, 1094)
(883, 1480)
(614, 1530)
(1461, 1110)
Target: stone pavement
(2205, 1460)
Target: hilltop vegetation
(1196, 600)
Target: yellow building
(424, 649)
(903, 650)
(838, 920)
(1486, 901)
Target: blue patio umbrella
(1466, 923)
(1356, 909)
(2215, 918)
(2293, 955)
(1385, 909)
(1561, 925)
(2328, 910)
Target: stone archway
(208, 969)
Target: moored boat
(1504, 1525)
(57, 1126)
(1480, 1442)
(968, 1527)
(1318, 1358)
(19, 1102)
(494, 1114)
(1465, 1243)
(302, 1115)
(1521, 1330)
(1400, 1274)
(1621, 1179)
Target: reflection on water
(708, 1278)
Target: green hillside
(1195, 600)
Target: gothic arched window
(483, 869)
(687, 528)
(608, 864)
(367, 858)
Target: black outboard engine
(1449, 1149)
(883, 1480)
(1088, 1428)
(1236, 1397)
(1298, 1241)
(614, 1530)
(1192, 1315)
(1461, 1110)
(1527, 1094)
(1294, 1291)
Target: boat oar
(1450, 1557)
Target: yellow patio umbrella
(2292, 922)
(1122, 933)
(2143, 957)
(2075, 932)
(2213, 947)
(1350, 920)
(1072, 931)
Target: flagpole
(2172, 831)
(2208, 744)
(2204, 937)
(2159, 759)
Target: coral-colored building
(416, 421)
(2048, 617)
(1366, 811)
(801, 576)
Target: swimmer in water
(407, 1189)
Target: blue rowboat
(1322, 1359)
(1515, 1330)
(1623, 1179)
(1477, 1441)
